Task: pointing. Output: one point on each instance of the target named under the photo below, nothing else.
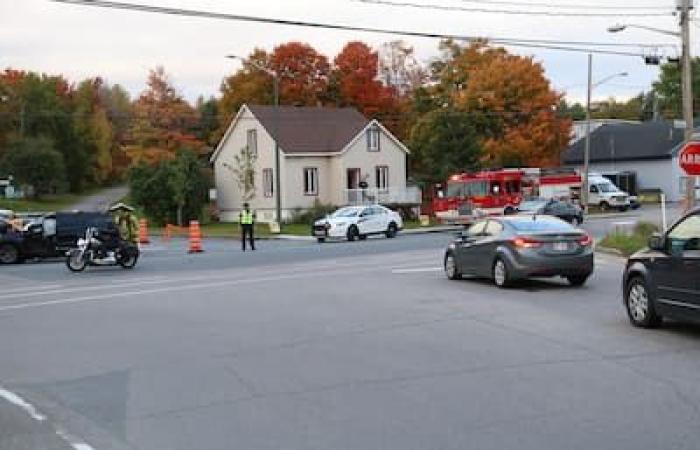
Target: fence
(392, 196)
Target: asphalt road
(336, 346)
(101, 200)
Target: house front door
(353, 186)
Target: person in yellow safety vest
(247, 220)
(126, 222)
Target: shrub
(317, 211)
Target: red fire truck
(495, 192)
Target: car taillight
(585, 240)
(521, 242)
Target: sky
(121, 46)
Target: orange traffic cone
(143, 232)
(195, 237)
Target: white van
(603, 193)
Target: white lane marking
(168, 280)
(65, 301)
(417, 270)
(19, 291)
(74, 442)
(22, 403)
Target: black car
(510, 248)
(664, 280)
(49, 236)
(563, 210)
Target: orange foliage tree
(303, 73)
(512, 100)
(162, 122)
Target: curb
(610, 251)
(610, 216)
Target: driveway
(101, 200)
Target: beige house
(334, 156)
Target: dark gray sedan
(510, 248)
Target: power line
(564, 6)
(513, 11)
(550, 45)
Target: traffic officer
(126, 221)
(247, 220)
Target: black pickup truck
(49, 236)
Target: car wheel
(501, 277)
(604, 206)
(451, 270)
(509, 211)
(577, 280)
(353, 233)
(392, 230)
(9, 254)
(640, 304)
(321, 240)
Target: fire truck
(467, 196)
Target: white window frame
(251, 137)
(268, 182)
(373, 139)
(310, 181)
(382, 177)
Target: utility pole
(587, 148)
(684, 7)
(278, 176)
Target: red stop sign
(690, 158)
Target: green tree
(668, 89)
(170, 191)
(443, 142)
(35, 165)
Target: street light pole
(687, 88)
(276, 95)
(587, 148)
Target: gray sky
(121, 46)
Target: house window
(382, 177)
(373, 139)
(252, 141)
(268, 183)
(311, 181)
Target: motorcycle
(90, 252)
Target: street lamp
(276, 94)
(684, 7)
(587, 148)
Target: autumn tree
(303, 73)
(163, 121)
(93, 129)
(356, 74)
(250, 84)
(511, 104)
(399, 68)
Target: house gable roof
(310, 130)
(627, 142)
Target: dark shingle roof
(301, 129)
(627, 142)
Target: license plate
(561, 246)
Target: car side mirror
(656, 242)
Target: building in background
(650, 149)
(333, 156)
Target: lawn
(45, 204)
(233, 230)
(628, 244)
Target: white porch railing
(394, 196)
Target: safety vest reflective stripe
(247, 218)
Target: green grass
(233, 230)
(45, 204)
(628, 244)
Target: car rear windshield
(541, 225)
